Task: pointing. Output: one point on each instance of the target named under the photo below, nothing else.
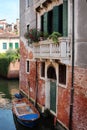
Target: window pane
(10, 45)
(16, 45)
(43, 69)
(62, 74)
(4, 45)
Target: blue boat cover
(29, 117)
(18, 95)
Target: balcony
(48, 50)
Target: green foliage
(34, 35)
(13, 55)
(54, 36)
(4, 64)
(6, 58)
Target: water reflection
(7, 120)
(7, 89)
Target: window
(62, 74)
(28, 28)
(11, 45)
(56, 19)
(28, 3)
(43, 69)
(4, 45)
(27, 66)
(16, 45)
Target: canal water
(7, 120)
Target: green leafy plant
(54, 36)
(35, 35)
(6, 59)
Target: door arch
(51, 73)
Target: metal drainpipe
(72, 87)
(36, 94)
(36, 74)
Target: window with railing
(56, 19)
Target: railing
(48, 50)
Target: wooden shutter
(53, 96)
(55, 19)
(65, 17)
(45, 26)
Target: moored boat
(25, 112)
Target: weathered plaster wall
(81, 33)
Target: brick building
(47, 74)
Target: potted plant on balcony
(35, 35)
(32, 35)
(54, 36)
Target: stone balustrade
(48, 50)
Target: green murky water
(7, 90)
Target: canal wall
(13, 71)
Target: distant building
(8, 41)
(14, 27)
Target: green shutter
(53, 96)
(45, 26)
(10, 45)
(56, 19)
(16, 45)
(65, 17)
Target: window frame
(10, 44)
(16, 43)
(4, 46)
(42, 74)
(61, 84)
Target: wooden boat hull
(25, 112)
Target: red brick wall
(64, 100)
(31, 77)
(80, 91)
(80, 100)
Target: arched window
(51, 73)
